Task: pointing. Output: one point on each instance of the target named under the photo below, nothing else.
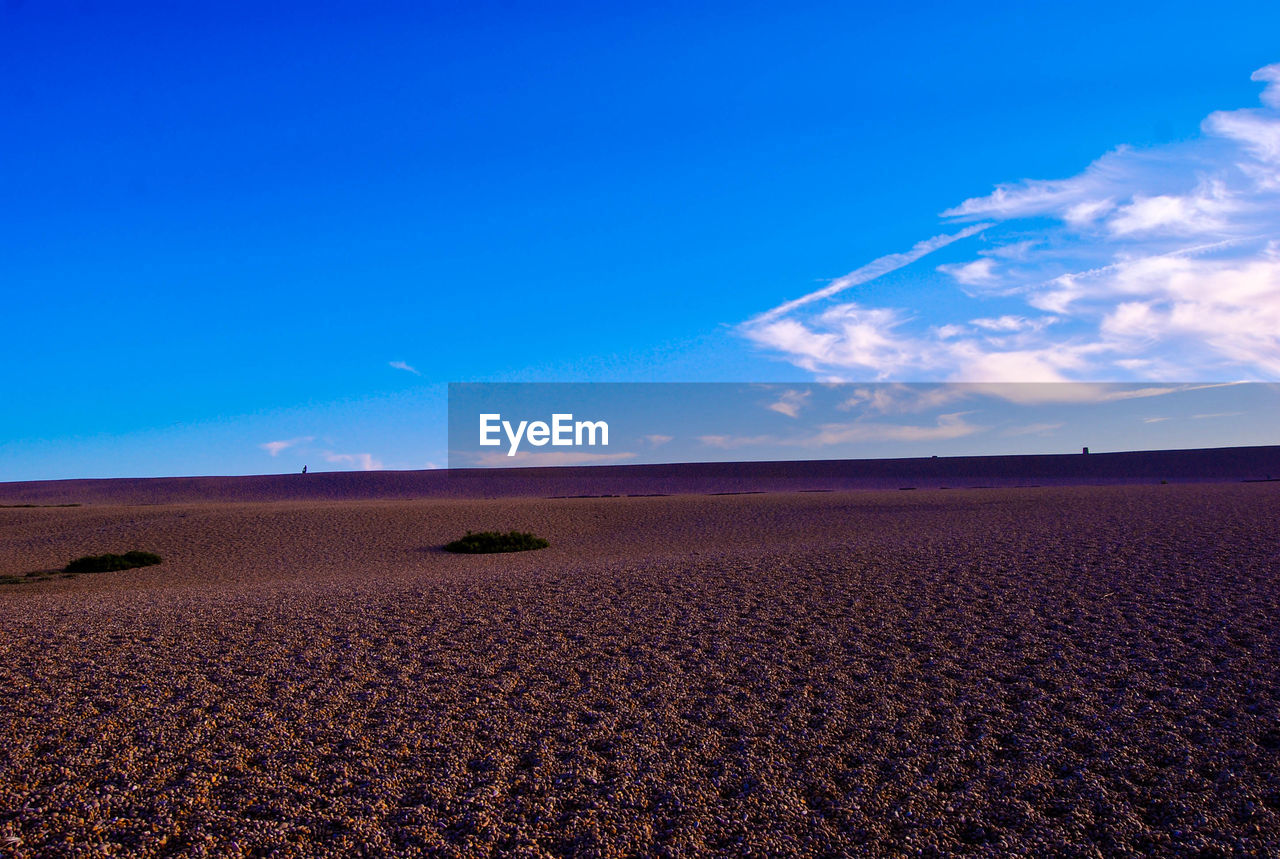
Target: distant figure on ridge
(304, 469)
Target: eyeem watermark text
(563, 431)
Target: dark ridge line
(1254, 464)
(583, 496)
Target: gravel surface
(1049, 671)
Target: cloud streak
(869, 272)
(362, 461)
(790, 403)
(947, 426)
(275, 447)
(1154, 264)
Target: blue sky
(224, 223)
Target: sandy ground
(1075, 671)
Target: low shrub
(107, 563)
(495, 541)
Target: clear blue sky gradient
(221, 222)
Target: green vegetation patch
(495, 541)
(34, 576)
(87, 564)
(108, 563)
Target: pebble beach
(1072, 671)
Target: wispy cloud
(948, 426)
(362, 461)
(901, 399)
(869, 272)
(274, 447)
(1010, 324)
(401, 365)
(790, 402)
(657, 439)
(1151, 264)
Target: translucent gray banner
(557, 424)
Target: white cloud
(1010, 323)
(657, 439)
(843, 336)
(1043, 428)
(274, 447)
(1088, 211)
(1016, 251)
(946, 332)
(401, 365)
(362, 461)
(1044, 364)
(1021, 393)
(1206, 210)
(1159, 263)
(790, 403)
(976, 273)
(901, 399)
(1271, 92)
(948, 426)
